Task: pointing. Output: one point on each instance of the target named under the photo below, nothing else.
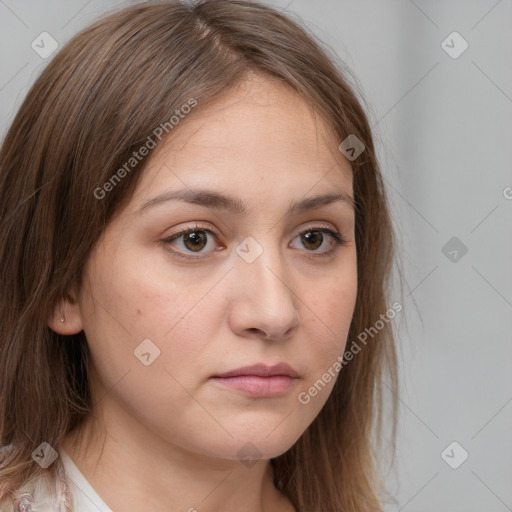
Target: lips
(262, 370)
(259, 381)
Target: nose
(263, 302)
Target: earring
(62, 319)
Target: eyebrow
(212, 199)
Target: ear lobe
(65, 318)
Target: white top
(84, 497)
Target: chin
(249, 445)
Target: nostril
(260, 332)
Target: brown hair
(96, 102)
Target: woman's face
(265, 287)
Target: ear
(68, 310)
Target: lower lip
(258, 386)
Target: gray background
(444, 132)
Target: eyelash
(338, 240)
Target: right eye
(195, 239)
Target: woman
(195, 245)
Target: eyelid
(200, 227)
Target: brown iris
(312, 237)
(195, 240)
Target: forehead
(260, 132)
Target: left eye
(314, 238)
(196, 239)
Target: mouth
(259, 380)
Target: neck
(132, 468)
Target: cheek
(133, 308)
(327, 325)
(146, 335)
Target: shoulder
(33, 495)
(41, 493)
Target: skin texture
(166, 433)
